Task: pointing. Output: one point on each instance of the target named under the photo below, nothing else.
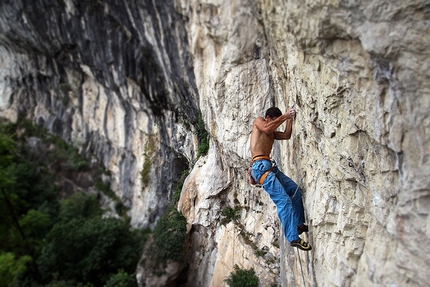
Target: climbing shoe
(301, 244)
(302, 228)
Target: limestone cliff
(124, 80)
(111, 77)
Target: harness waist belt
(260, 157)
(263, 177)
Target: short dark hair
(273, 112)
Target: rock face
(124, 80)
(358, 76)
(110, 77)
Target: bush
(242, 278)
(202, 136)
(170, 235)
(179, 185)
(121, 279)
(230, 214)
(146, 168)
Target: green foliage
(202, 136)
(203, 148)
(230, 214)
(105, 188)
(34, 225)
(65, 88)
(67, 283)
(121, 279)
(95, 249)
(120, 208)
(23, 126)
(259, 252)
(169, 235)
(49, 241)
(7, 147)
(79, 205)
(66, 156)
(276, 243)
(63, 155)
(11, 268)
(147, 162)
(27, 199)
(179, 186)
(242, 278)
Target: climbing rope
(298, 184)
(301, 268)
(298, 253)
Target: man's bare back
(261, 143)
(264, 132)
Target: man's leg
(284, 206)
(295, 194)
(283, 203)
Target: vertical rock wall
(358, 75)
(123, 81)
(112, 78)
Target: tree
(77, 205)
(11, 268)
(13, 205)
(95, 249)
(44, 241)
(121, 279)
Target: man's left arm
(286, 134)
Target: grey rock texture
(123, 80)
(106, 76)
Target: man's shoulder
(258, 125)
(259, 119)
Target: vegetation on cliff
(202, 136)
(242, 278)
(168, 240)
(51, 235)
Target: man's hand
(291, 113)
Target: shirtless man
(282, 190)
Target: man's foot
(302, 228)
(301, 244)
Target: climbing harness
(265, 174)
(263, 177)
(259, 157)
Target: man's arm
(271, 126)
(286, 134)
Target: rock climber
(282, 190)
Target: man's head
(272, 113)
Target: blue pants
(281, 190)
